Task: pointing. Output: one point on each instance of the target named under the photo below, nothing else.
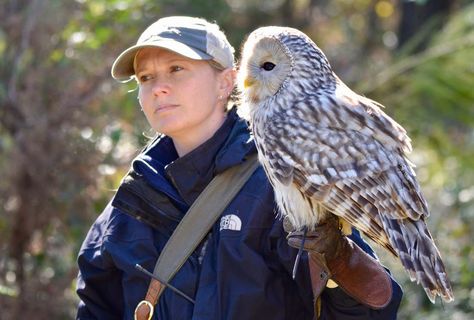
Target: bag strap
(192, 229)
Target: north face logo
(231, 222)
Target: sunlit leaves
(384, 8)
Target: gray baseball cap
(194, 38)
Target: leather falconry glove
(334, 256)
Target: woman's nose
(160, 87)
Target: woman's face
(180, 96)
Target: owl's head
(275, 57)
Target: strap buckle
(141, 314)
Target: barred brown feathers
(327, 150)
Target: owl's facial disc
(265, 66)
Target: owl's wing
(350, 156)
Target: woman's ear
(227, 82)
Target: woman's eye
(268, 66)
(176, 68)
(144, 78)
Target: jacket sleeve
(335, 303)
(98, 282)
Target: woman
(185, 72)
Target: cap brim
(122, 68)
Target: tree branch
(32, 12)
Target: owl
(329, 151)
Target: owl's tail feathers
(420, 256)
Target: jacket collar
(183, 179)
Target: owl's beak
(248, 82)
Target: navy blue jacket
(241, 271)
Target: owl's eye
(268, 66)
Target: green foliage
(431, 93)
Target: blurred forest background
(68, 131)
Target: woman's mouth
(165, 107)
